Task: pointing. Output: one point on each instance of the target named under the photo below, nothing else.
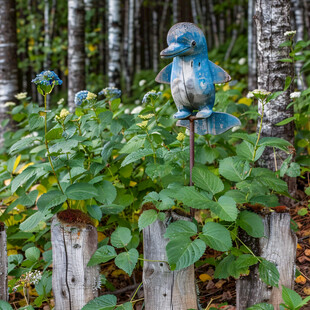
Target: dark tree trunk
(8, 59)
(76, 49)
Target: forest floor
(221, 294)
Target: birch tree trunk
(74, 284)
(155, 50)
(114, 35)
(3, 265)
(130, 46)
(76, 49)
(175, 11)
(8, 59)
(252, 74)
(165, 289)
(194, 12)
(214, 25)
(138, 39)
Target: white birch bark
(76, 49)
(114, 37)
(3, 265)
(137, 17)
(155, 50)
(162, 35)
(8, 59)
(130, 46)
(175, 11)
(252, 74)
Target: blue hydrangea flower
(111, 92)
(83, 95)
(47, 78)
(151, 95)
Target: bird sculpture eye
(193, 43)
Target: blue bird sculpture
(192, 77)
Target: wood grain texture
(3, 265)
(279, 247)
(165, 289)
(74, 284)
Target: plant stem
(260, 129)
(136, 292)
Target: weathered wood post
(74, 241)
(279, 247)
(3, 264)
(165, 289)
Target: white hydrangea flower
(142, 82)
(295, 94)
(290, 33)
(250, 95)
(137, 110)
(21, 96)
(242, 61)
(60, 101)
(10, 104)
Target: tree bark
(76, 49)
(138, 38)
(74, 284)
(279, 247)
(252, 74)
(8, 59)
(165, 289)
(194, 12)
(114, 35)
(3, 265)
(175, 11)
(155, 51)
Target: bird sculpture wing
(219, 75)
(164, 76)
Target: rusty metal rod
(191, 155)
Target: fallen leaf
(299, 247)
(307, 252)
(220, 283)
(301, 279)
(205, 277)
(306, 290)
(118, 272)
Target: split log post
(165, 289)
(3, 264)
(279, 247)
(74, 284)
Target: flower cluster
(295, 94)
(63, 114)
(10, 104)
(111, 92)
(83, 96)
(143, 124)
(60, 101)
(147, 116)
(181, 136)
(290, 33)
(47, 78)
(151, 95)
(27, 279)
(21, 96)
(259, 94)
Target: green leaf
(106, 192)
(53, 134)
(205, 179)
(234, 169)
(237, 196)
(35, 121)
(286, 121)
(81, 191)
(274, 142)
(274, 183)
(51, 199)
(286, 60)
(102, 255)
(5, 305)
(22, 144)
(112, 209)
(262, 306)
(121, 237)
(133, 144)
(33, 221)
(125, 306)
(245, 261)
(127, 260)
(269, 273)
(147, 218)
(244, 136)
(32, 254)
(288, 81)
(216, 236)
(136, 156)
(95, 212)
(182, 252)
(291, 298)
(222, 269)
(246, 151)
(307, 190)
(294, 170)
(251, 223)
(225, 208)
(105, 302)
(22, 178)
(181, 228)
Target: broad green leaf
(216, 236)
(22, 178)
(294, 170)
(51, 199)
(274, 183)
(234, 169)
(54, 133)
(222, 269)
(262, 306)
(244, 136)
(125, 306)
(32, 254)
(291, 298)
(147, 218)
(33, 221)
(22, 144)
(274, 142)
(112, 209)
(95, 212)
(81, 191)
(181, 228)
(105, 302)
(35, 121)
(127, 260)
(225, 208)
(246, 151)
(205, 179)
(106, 192)
(251, 223)
(5, 305)
(269, 273)
(121, 237)
(182, 252)
(237, 196)
(136, 156)
(102, 255)
(245, 261)
(287, 82)
(286, 121)
(133, 144)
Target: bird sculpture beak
(174, 49)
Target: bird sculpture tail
(217, 123)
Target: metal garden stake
(192, 77)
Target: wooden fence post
(165, 289)
(279, 247)
(74, 284)
(3, 264)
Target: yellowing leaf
(101, 236)
(307, 290)
(299, 247)
(301, 279)
(118, 272)
(41, 189)
(226, 87)
(52, 180)
(17, 160)
(132, 183)
(12, 252)
(246, 101)
(91, 47)
(205, 277)
(24, 167)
